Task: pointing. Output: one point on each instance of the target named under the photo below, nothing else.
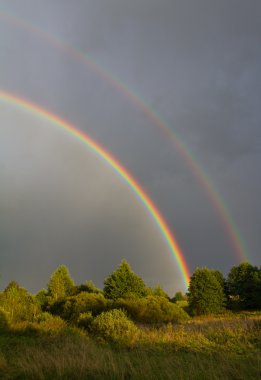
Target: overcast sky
(194, 62)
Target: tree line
(209, 292)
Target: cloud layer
(197, 64)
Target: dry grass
(217, 348)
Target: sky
(196, 64)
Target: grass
(226, 348)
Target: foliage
(152, 309)
(42, 298)
(205, 294)
(60, 284)
(85, 320)
(51, 323)
(88, 287)
(18, 304)
(114, 326)
(219, 276)
(71, 308)
(244, 286)
(123, 282)
(179, 296)
(3, 321)
(157, 291)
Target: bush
(114, 326)
(83, 303)
(51, 323)
(152, 309)
(85, 320)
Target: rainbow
(115, 164)
(202, 178)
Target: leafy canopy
(244, 286)
(123, 282)
(60, 284)
(205, 294)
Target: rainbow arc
(82, 137)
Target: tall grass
(227, 349)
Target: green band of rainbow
(200, 174)
(128, 178)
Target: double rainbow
(200, 175)
(116, 165)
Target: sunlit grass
(204, 348)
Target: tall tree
(244, 286)
(123, 282)
(18, 304)
(60, 284)
(205, 294)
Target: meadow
(131, 331)
(214, 347)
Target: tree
(244, 286)
(18, 304)
(205, 294)
(88, 287)
(60, 284)
(179, 296)
(157, 291)
(123, 282)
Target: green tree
(18, 304)
(179, 296)
(244, 286)
(123, 282)
(60, 284)
(157, 291)
(219, 276)
(205, 293)
(42, 298)
(88, 287)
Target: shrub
(51, 323)
(82, 303)
(85, 320)
(114, 326)
(152, 309)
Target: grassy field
(226, 348)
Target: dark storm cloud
(195, 62)
(69, 208)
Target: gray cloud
(197, 64)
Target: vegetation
(206, 294)
(244, 286)
(124, 282)
(60, 284)
(130, 331)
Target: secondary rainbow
(200, 175)
(115, 164)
